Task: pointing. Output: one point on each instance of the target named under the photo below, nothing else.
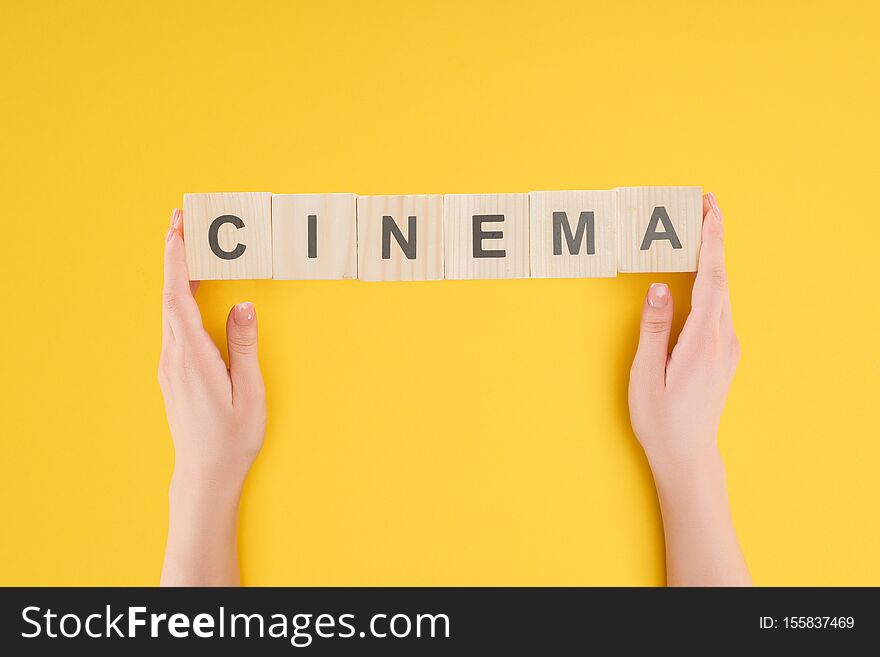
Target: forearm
(701, 544)
(202, 534)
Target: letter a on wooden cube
(314, 236)
(573, 234)
(659, 228)
(400, 238)
(486, 235)
(228, 235)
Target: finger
(167, 333)
(654, 330)
(193, 285)
(244, 365)
(710, 286)
(178, 305)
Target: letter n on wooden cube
(486, 235)
(314, 237)
(659, 228)
(400, 238)
(573, 234)
(228, 235)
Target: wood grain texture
(458, 235)
(636, 205)
(335, 245)
(427, 243)
(547, 264)
(255, 211)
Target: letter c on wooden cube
(228, 235)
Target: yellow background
(450, 432)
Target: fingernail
(175, 217)
(658, 295)
(244, 313)
(714, 205)
(169, 234)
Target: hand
(676, 400)
(217, 418)
(675, 406)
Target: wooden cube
(659, 228)
(228, 235)
(486, 235)
(400, 238)
(314, 236)
(573, 234)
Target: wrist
(690, 469)
(195, 487)
(202, 530)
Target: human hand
(217, 418)
(217, 415)
(676, 400)
(675, 404)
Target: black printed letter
(586, 225)
(660, 215)
(214, 242)
(407, 245)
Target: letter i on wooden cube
(314, 236)
(573, 234)
(659, 228)
(486, 235)
(228, 235)
(400, 238)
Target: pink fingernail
(714, 205)
(244, 313)
(175, 217)
(658, 295)
(169, 234)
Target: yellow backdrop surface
(442, 433)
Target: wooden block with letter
(400, 238)
(228, 235)
(314, 236)
(573, 234)
(659, 228)
(486, 235)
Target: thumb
(654, 330)
(241, 337)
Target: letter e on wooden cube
(486, 235)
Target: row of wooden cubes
(555, 234)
